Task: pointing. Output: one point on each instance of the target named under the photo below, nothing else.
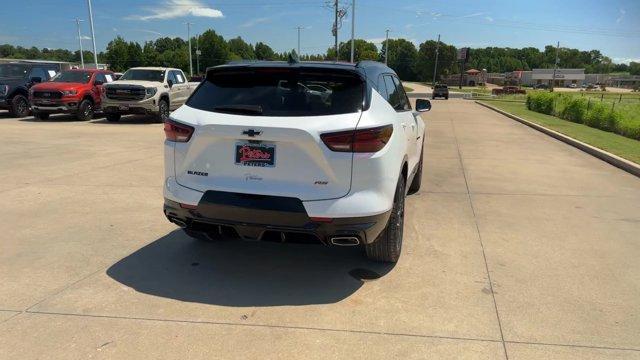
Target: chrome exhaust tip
(345, 241)
(178, 222)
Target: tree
(241, 49)
(363, 50)
(262, 51)
(402, 58)
(634, 68)
(215, 50)
(426, 59)
(117, 54)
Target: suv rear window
(280, 92)
(441, 87)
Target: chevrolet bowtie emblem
(251, 133)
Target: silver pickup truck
(146, 90)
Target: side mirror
(36, 79)
(98, 83)
(423, 105)
(170, 82)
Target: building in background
(471, 77)
(563, 77)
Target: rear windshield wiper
(239, 109)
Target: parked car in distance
(77, 92)
(541, 86)
(440, 90)
(146, 90)
(314, 152)
(573, 86)
(16, 78)
(508, 90)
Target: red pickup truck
(71, 91)
(508, 90)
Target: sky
(612, 26)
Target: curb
(626, 165)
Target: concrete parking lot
(517, 246)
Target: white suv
(296, 152)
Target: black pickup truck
(15, 80)
(440, 90)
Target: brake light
(177, 132)
(359, 141)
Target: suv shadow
(239, 273)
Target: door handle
(404, 126)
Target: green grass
(407, 89)
(613, 143)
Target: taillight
(360, 141)
(177, 132)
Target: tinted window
(403, 99)
(382, 88)
(73, 77)
(178, 76)
(13, 70)
(280, 92)
(38, 72)
(101, 77)
(441, 87)
(143, 75)
(394, 96)
(171, 76)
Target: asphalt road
(517, 245)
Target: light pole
(78, 21)
(190, 58)
(386, 49)
(198, 54)
(555, 68)
(435, 66)
(93, 36)
(353, 28)
(335, 24)
(299, 28)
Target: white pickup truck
(146, 90)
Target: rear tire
(417, 178)
(388, 245)
(40, 115)
(19, 106)
(111, 117)
(85, 110)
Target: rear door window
(178, 76)
(280, 92)
(402, 95)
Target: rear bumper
(253, 216)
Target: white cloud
(149, 31)
(254, 22)
(85, 37)
(471, 15)
(619, 60)
(622, 13)
(488, 18)
(171, 9)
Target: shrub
(541, 102)
(574, 109)
(622, 119)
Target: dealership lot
(516, 243)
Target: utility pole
(353, 28)
(386, 48)
(299, 28)
(435, 66)
(555, 68)
(78, 21)
(93, 35)
(197, 54)
(190, 58)
(335, 24)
